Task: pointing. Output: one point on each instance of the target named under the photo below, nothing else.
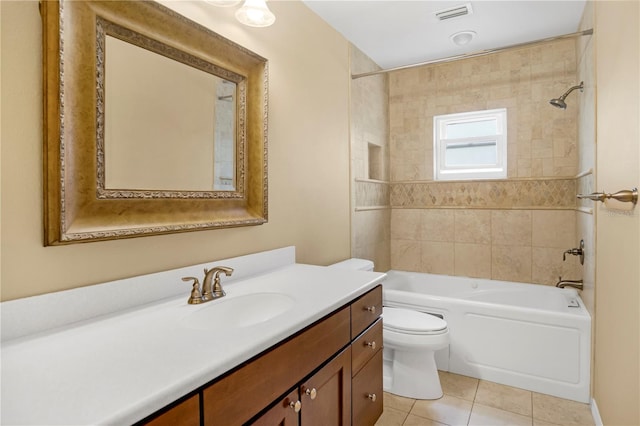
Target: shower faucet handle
(576, 251)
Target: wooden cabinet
(323, 399)
(239, 396)
(326, 396)
(327, 374)
(186, 413)
(283, 413)
(365, 310)
(366, 392)
(366, 358)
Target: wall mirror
(152, 124)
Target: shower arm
(579, 86)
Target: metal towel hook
(626, 196)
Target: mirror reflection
(168, 126)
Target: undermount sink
(238, 311)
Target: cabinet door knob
(311, 392)
(372, 345)
(372, 397)
(371, 309)
(295, 406)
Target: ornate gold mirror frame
(77, 207)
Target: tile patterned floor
(473, 402)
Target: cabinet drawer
(366, 391)
(243, 393)
(365, 346)
(365, 311)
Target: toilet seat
(411, 322)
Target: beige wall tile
(542, 143)
(437, 225)
(437, 257)
(547, 266)
(472, 226)
(472, 260)
(511, 227)
(554, 229)
(406, 224)
(406, 255)
(511, 263)
(371, 230)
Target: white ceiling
(396, 33)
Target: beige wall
(308, 158)
(371, 214)
(514, 229)
(617, 296)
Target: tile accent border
(548, 193)
(370, 193)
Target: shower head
(559, 102)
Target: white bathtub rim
(396, 301)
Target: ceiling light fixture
(255, 13)
(223, 3)
(463, 37)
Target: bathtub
(524, 335)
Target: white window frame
(479, 171)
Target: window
(470, 145)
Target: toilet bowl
(410, 339)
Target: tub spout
(569, 283)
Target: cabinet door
(284, 413)
(367, 392)
(326, 396)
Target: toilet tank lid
(354, 264)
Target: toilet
(410, 339)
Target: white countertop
(119, 368)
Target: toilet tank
(354, 264)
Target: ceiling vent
(454, 12)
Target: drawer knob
(311, 392)
(372, 345)
(371, 309)
(372, 397)
(295, 406)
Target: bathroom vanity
(310, 354)
(326, 374)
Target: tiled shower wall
(371, 210)
(509, 230)
(587, 154)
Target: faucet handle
(196, 296)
